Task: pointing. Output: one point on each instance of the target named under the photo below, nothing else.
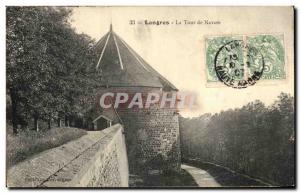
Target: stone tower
(152, 134)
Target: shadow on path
(209, 175)
(167, 179)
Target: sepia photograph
(165, 97)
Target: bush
(26, 143)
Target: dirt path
(202, 178)
(212, 175)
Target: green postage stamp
(241, 61)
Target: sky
(178, 51)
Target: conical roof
(119, 65)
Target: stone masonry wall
(109, 168)
(98, 159)
(152, 135)
(152, 138)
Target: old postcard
(141, 97)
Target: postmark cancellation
(243, 60)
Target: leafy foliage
(255, 139)
(48, 64)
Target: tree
(254, 139)
(48, 64)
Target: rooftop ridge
(121, 65)
(102, 52)
(132, 52)
(148, 67)
(100, 40)
(119, 55)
